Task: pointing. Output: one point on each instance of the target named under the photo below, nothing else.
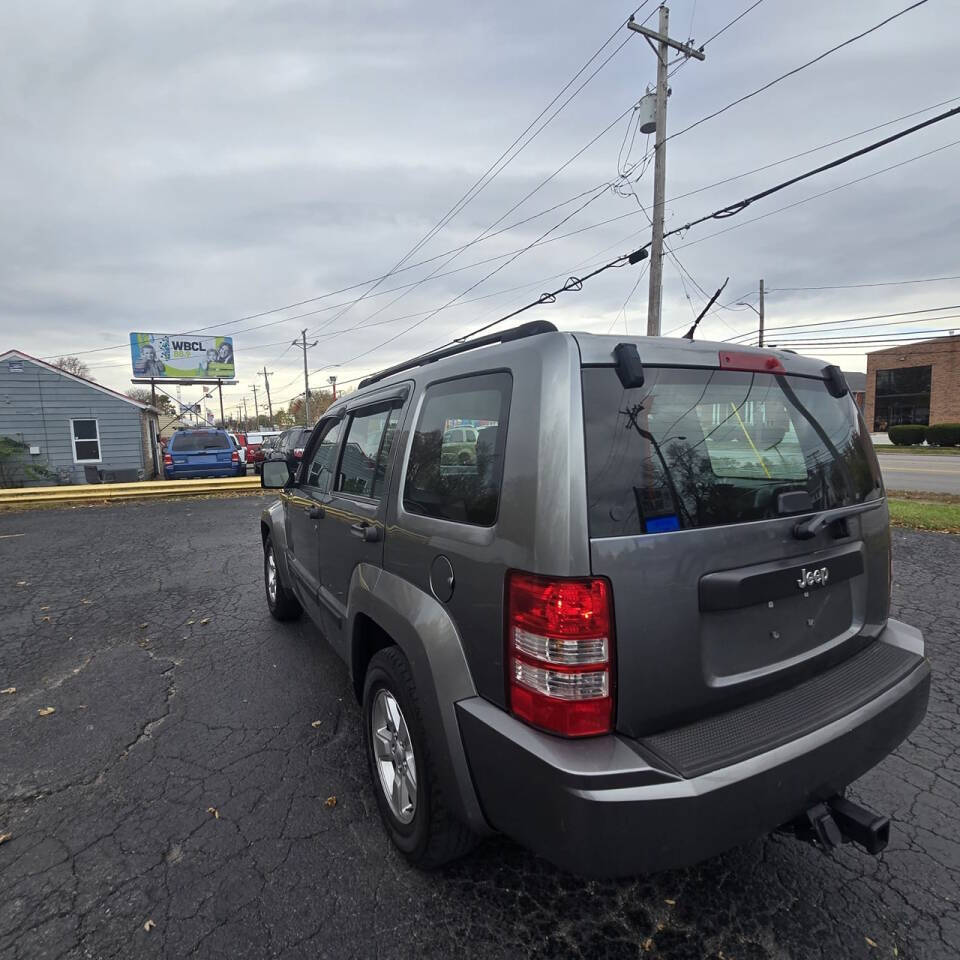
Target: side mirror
(275, 475)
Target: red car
(254, 443)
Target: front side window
(366, 451)
(702, 448)
(319, 473)
(456, 458)
(86, 441)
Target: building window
(902, 396)
(86, 441)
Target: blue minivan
(202, 453)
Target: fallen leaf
(331, 801)
(190, 623)
(44, 619)
(316, 723)
(23, 583)
(9, 690)
(46, 711)
(45, 608)
(896, 952)
(205, 620)
(672, 903)
(870, 943)
(661, 927)
(648, 944)
(4, 837)
(215, 812)
(143, 626)
(85, 600)
(149, 925)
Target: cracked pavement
(182, 780)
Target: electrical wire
(796, 70)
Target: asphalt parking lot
(179, 801)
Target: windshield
(698, 448)
(192, 442)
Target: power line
(796, 70)
(850, 320)
(850, 286)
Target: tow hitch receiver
(839, 820)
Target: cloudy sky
(194, 164)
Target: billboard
(181, 357)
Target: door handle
(316, 513)
(365, 531)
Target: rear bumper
(611, 807)
(194, 473)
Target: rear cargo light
(167, 460)
(560, 653)
(754, 362)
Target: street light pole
(760, 312)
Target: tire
(432, 836)
(281, 601)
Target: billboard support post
(153, 392)
(223, 419)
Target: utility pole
(333, 384)
(760, 311)
(256, 409)
(660, 157)
(302, 343)
(245, 421)
(266, 382)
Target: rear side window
(197, 442)
(454, 473)
(366, 451)
(700, 448)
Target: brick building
(914, 383)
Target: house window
(86, 441)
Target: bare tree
(73, 365)
(143, 395)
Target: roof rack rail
(531, 329)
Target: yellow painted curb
(94, 492)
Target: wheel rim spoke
(393, 755)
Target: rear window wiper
(809, 528)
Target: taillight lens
(235, 456)
(167, 460)
(752, 362)
(298, 452)
(560, 653)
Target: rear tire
(428, 835)
(281, 601)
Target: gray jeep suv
(645, 618)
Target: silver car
(644, 621)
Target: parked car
(255, 445)
(202, 453)
(289, 446)
(649, 622)
(235, 437)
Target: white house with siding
(61, 428)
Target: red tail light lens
(560, 653)
(235, 456)
(167, 460)
(298, 452)
(753, 362)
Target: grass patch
(921, 451)
(942, 514)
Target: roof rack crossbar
(531, 329)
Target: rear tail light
(560, 653)
(235, 456)
(167, 460)
(298, 452)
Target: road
(182, 785)
(904, 471)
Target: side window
(460, 483)
(366, 452)
(319, 472)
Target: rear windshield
(192, 442)
(702, 448)
(254, 438)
